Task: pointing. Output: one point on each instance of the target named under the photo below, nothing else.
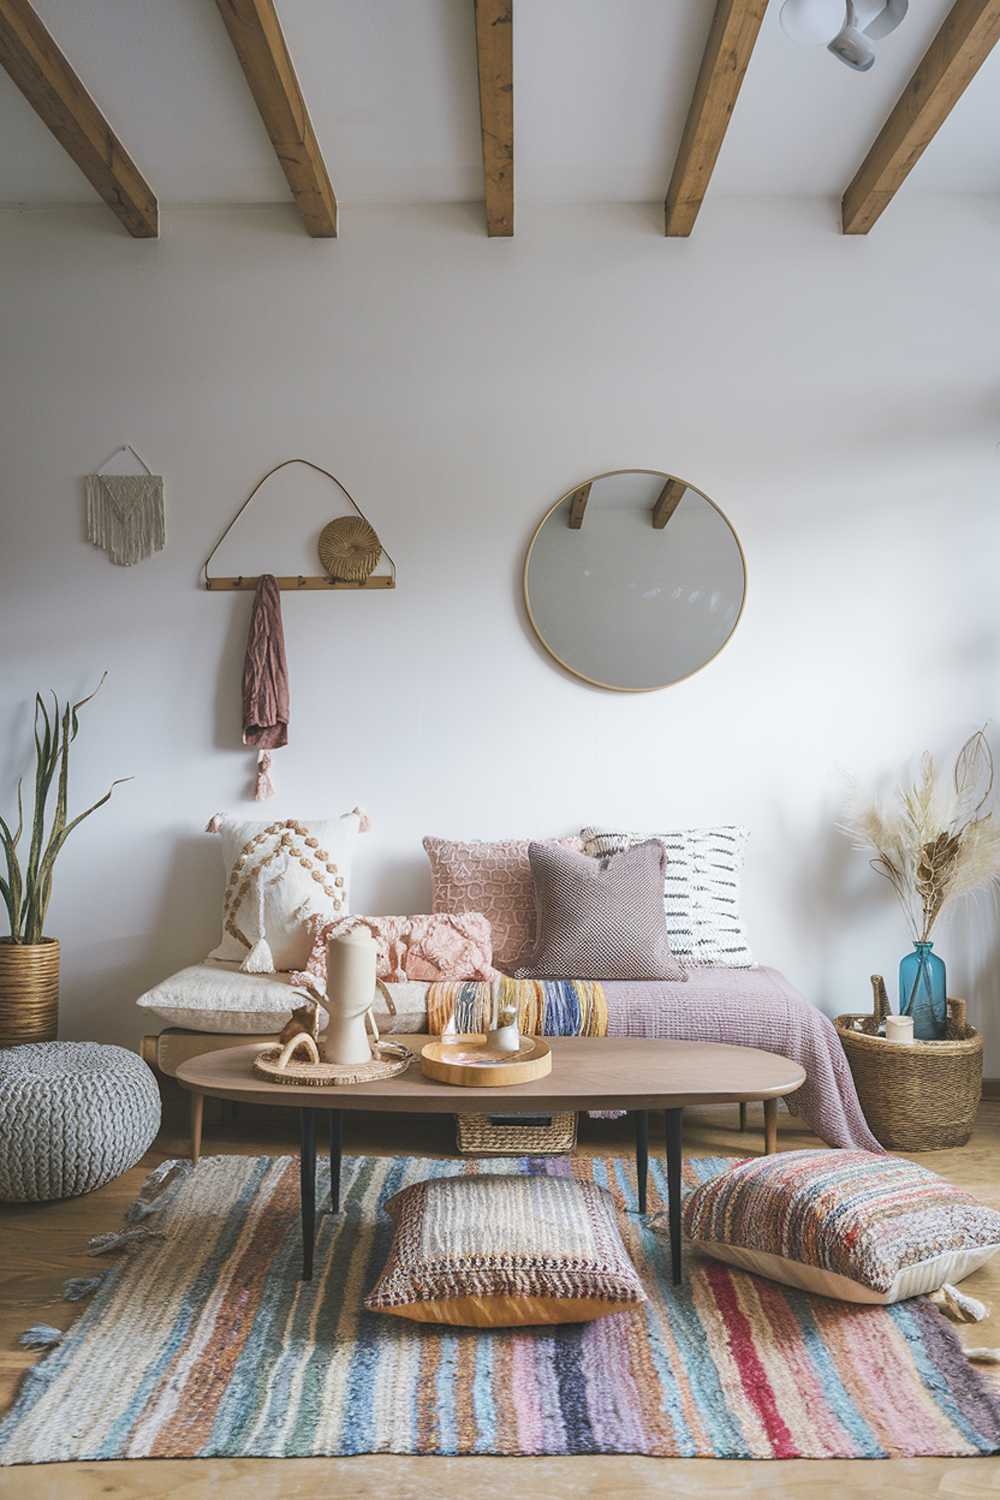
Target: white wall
(837, 397)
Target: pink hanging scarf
(265, 682)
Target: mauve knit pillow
(600, 918)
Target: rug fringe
(40, 1336)
(959, 1306)
(157, 1190)
(78, 1287)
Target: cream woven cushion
(846, 1224)
(217, 997)
(504, 1251)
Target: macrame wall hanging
(125, 513)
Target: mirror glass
(634, 580)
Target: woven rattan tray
(391, 1058)
(920, 1096)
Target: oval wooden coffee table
(599, 1073)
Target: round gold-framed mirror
(634, 580)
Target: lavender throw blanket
(744, 1007)
(751, 1008)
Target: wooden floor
(42, 1245)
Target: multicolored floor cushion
(845, 1224)
(505, 1252)
(545, 1007)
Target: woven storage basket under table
(517, 1135)
(921, 1096)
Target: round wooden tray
(442, 1060)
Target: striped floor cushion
(846, 1224)
(505, 1251)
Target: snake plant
(26, 889)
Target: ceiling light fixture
(847, 28)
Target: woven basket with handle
(921, 1096)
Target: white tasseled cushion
(73, 1116)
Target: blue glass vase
(923, 993)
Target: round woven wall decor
(349, 549)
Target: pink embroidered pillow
(422, 948)
(493, 878)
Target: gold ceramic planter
(29, 991)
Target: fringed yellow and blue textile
(545, 1007)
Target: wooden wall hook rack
(294, 582)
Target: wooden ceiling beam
(578, 506)
(495, 59)
(36, 64)
(256, 34)
(731, 40)
(967, 37)
(667, 502)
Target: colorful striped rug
(201, 1342)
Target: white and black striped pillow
(701, 890)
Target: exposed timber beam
(967, 37)
(578, 506)
(36, 64)
(731, 39)
(667, 502)
(495, 57)
(256, 34)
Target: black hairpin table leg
(641, 1121)
(673, 1120)
(336, 1155)
(307, 1187)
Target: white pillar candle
(899, 1029)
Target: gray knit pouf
(73, 1116)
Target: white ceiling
(601, 91)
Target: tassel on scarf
(40, 1336)
(265, 786)
(959, 1306)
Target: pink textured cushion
(429, 947)
(493, 878)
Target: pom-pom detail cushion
(846, 1224)
(422, 948)
(701, 890)
(278, 875)
(600, 918)
(505, 1251)
(494, 878)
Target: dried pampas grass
(937, 840)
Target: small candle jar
(899, 1029)
(505, 1038)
